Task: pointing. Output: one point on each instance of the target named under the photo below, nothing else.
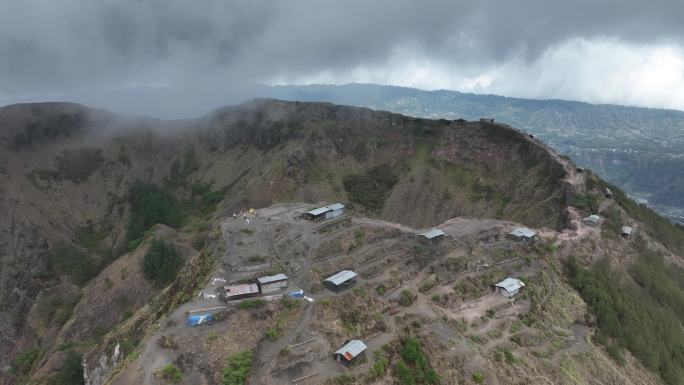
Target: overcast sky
(625, 52)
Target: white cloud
(598, 71)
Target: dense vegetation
(150, 204)
(71, 372)
(181, 170)
(70, 261)
(161, 263)
(239, 367)
(23, 362)
(414, 367)
(644, 319)
(371, 188)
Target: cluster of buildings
(264, 285)
(326, 212)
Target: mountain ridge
(178, 182)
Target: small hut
(523, 234)
(341, 280)
(509, 287)
(272, 283)
(336, 210)
(316, 214)
(350, 351)
(626, 232)
(592, 220)
(234, 292)
(432, 236)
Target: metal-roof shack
(348, 353)
(523, 234)
(272, 283)
(336, 210)
(509, 287)
(316, 214)
(331, 211)
(592, 220)
(231, 293)
(626, 231)
(341, 280)
(432, 235)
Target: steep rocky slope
(82, 190)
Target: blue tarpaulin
(199, 319)
(296, 294)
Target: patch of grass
(161, 263)
(249, 304)
(342, 379)
(239, 368)
(379, 368)
(256, 259)
(414, 367)
(171, 373)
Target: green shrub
(171, 373)
(478, 377)
(379, 368)
(161, 263)
(406, 298)
(71, 261)
(238, 370)
(414, 367)
(71, 372)
(150, 204)
(586, 202)
(23, 362)
(403, 374)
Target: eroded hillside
(96, 205)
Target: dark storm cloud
(54, 46)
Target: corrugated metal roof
(626, 230)
(336, 206)
(523, 232)
(433, 233)
(592, 218)
(272, 278)
(352, 349)
(241, 289)
(318, 211)
(510, 284)
(341, 277)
